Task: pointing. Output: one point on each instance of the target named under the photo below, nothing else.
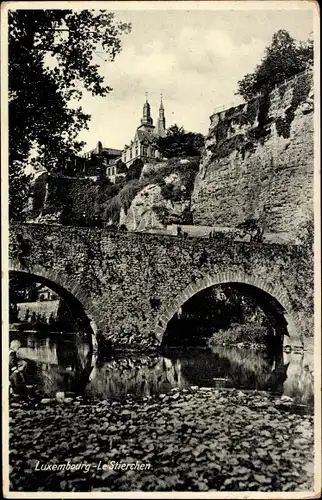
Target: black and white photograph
(161, 258)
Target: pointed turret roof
(161, 103)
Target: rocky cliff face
(258, 162)
(163, 200)
(150, 210)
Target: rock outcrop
(258, 162)
(164, 200)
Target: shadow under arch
(71, 293)
(272, 298)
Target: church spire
(146, 119)
(161, 120)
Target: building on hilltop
(109, 154)
(93, 163)
(110, 162)
(116, 170)
(100, 158)
(145, 142)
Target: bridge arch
(263, 287)
(64, 287)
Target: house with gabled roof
(144, 146)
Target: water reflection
(59, 362)
(56, 362)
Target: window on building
(145, 151)
(153, 153)
(130, 154)
(136, 150)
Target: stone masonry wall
(131, 284)
(259, 162)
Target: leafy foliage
(283, 59)
(175, 130)
(23, 289)
(39, 194)
(121, 167)
(250, 333)
(19, 191)
(212, 310)
(134, 170)
(122, 200)
(179, 143)
(78, 201)
(50, 61)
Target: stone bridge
(127, 286)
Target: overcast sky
(194, 58)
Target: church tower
(146, 120)
(161, 121)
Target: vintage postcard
(161, 256)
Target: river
(58, 362)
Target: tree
(175, 130)
(121, 167)
(19, 190)
(283, 59)
(51, 63)
(179, 143)
(23, 289)
(95, 165)
(134, 170)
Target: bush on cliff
(283, 59)
(121, 167)
(122, 200)
(179, 143)
(134, 171)
(186, 172)
(80, 201)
